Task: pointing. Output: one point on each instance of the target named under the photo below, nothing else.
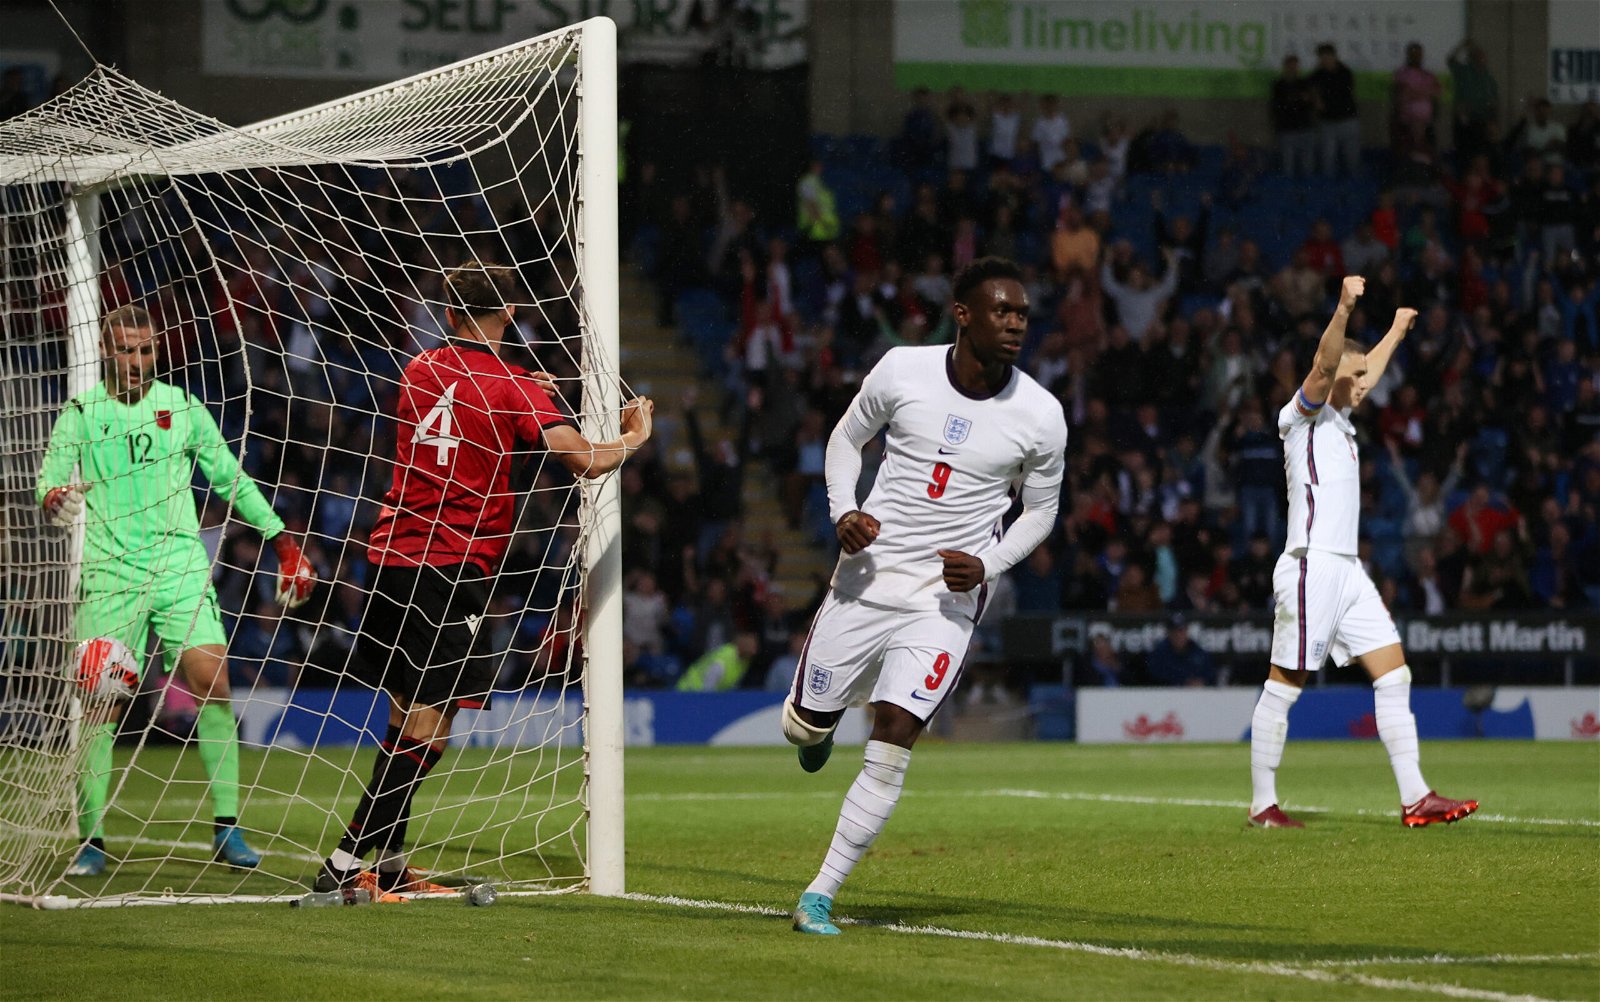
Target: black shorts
(425, 636)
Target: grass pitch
(1008, 871)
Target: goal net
(292, 268)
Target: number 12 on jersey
(437, 428)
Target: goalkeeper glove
(296, 576)
(63, 505)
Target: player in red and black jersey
(437, 544)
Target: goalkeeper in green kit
(122, 455)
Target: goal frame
(598, 262)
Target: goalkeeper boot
(1435, 810)
(228, 846)
(814, 757)
(90, 862)
(814, 915)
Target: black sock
(98, 843)
(352, 831)
(394, 777)
(397, 835)
(220, 823)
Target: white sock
(1391, 707)
(344, 861)
(1269, 726)
(866, 810)
(391, 859)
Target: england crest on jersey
(819, 679)
(956, 429)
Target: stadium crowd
(1177, 293)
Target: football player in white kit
(967, 431)
(1325, 602)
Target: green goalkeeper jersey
(139, 461)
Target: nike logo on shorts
(918, 695)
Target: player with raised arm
(967, 430)
(1325, 602)
(436, 546)
(122, 455)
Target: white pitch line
(1115, 798)
(1103, 798)
(1270, 968)
(1445, 958)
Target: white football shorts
(857, 653)
(1326, 604)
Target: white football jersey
(951, 465)
(1323, 467)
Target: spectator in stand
(1005, 128)
(1167, 149)
(919, 132)
(1185, 241)
(1425, 501)
(1583, 139)
(1556, 578)
(1338, 125)
(1051, 130)
(961, 138)
(1105, 664)
(1477, 194)
(1135, 592)
(1038, 582)
(1558, 231)
(1480, 520)
(1323, 253)
(1294, 119)
(1074, 247)
(1141, 299)
(1299, 289)
(721, 668)
(1541, 135)
(1178, 661)
(1497, 579)
(1115, 141)
(1477, 97)
(1362, 251)
(816, 208)
(1416, 95)
(1252, 573)
(1257, 472)
(644, 614)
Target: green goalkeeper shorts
(180, 607)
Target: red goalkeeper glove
(63, 505)
(296, 576)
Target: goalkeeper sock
(1397, 728)
(218, 736)
(866, 810)
(1269, 726)
(94, 780)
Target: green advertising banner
(1157, 49)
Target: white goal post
(292, 267)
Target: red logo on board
(164, 420)
(1142, 728)
(1586, 726)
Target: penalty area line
(1269, 968)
